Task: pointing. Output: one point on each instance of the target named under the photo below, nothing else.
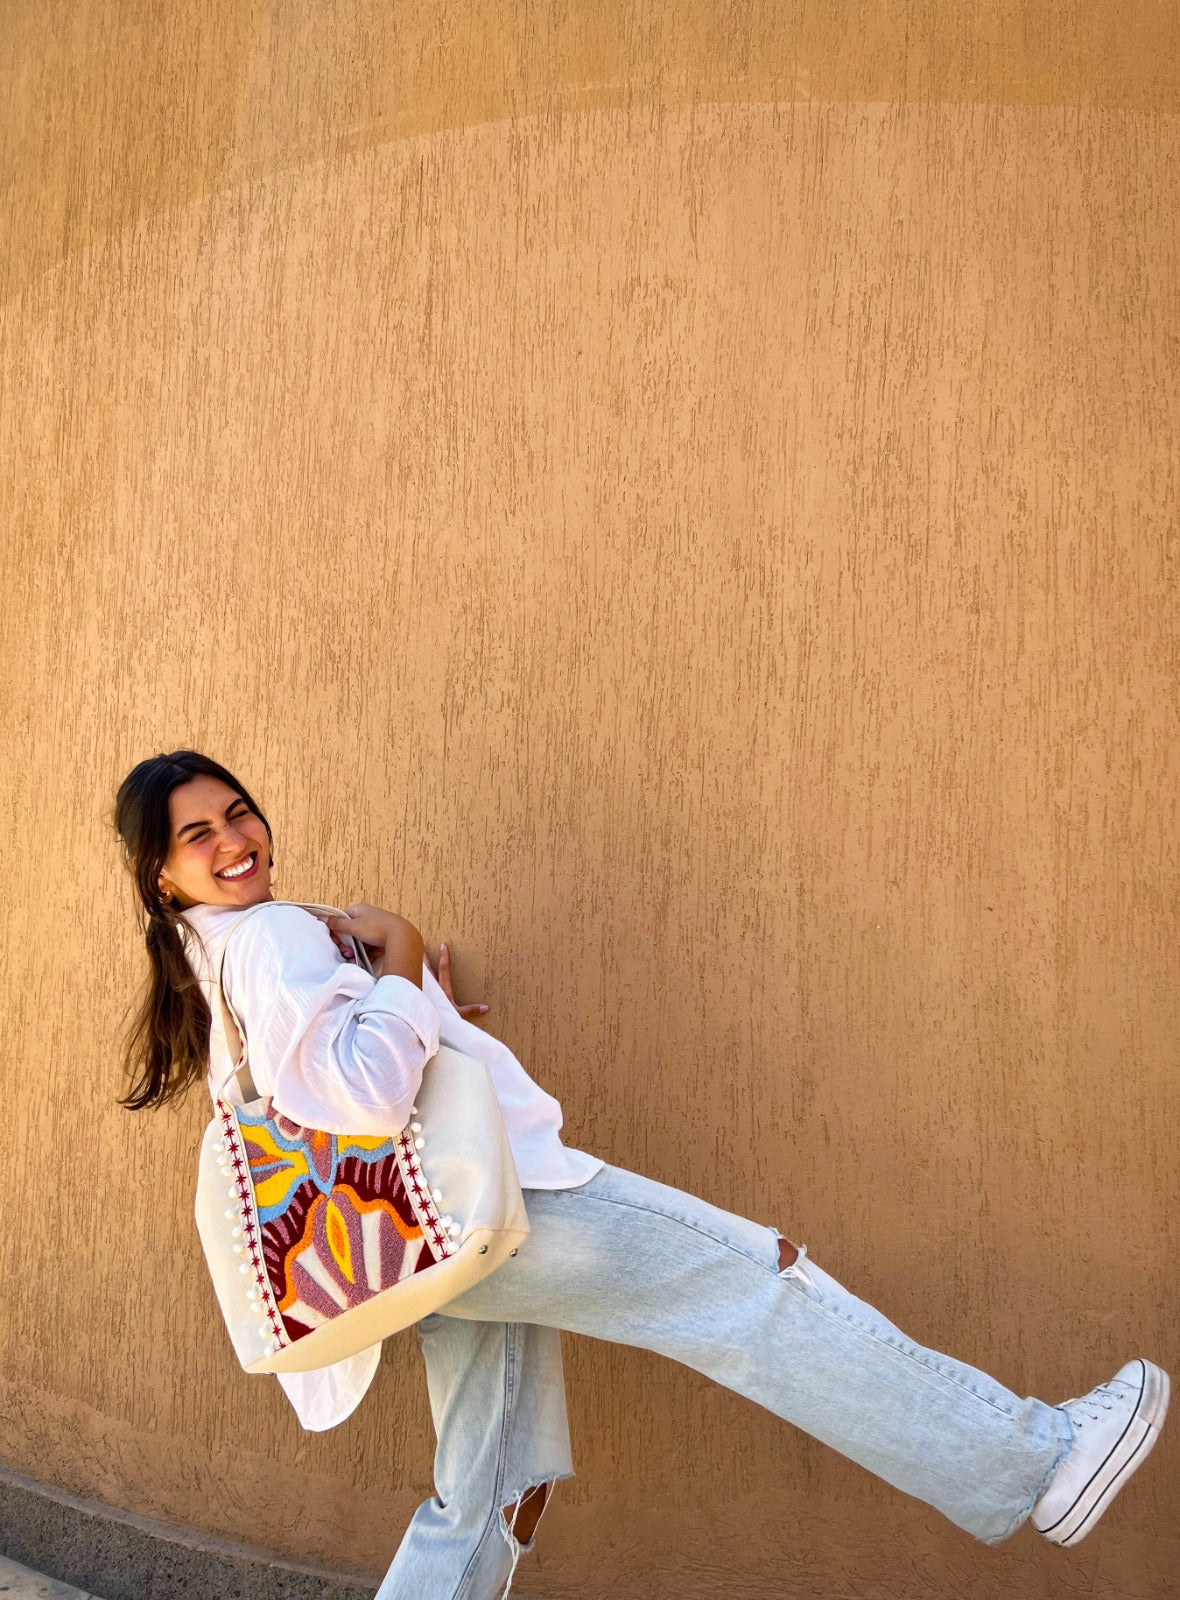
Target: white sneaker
(1115, 1427)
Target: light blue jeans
(629, 1260)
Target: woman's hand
(392, 943)
(443, 973)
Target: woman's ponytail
(168, 1045)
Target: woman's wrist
(404, 951)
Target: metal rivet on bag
(512, 1252)
(483, 1249)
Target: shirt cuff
(399, 997)
(323, 1398)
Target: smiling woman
(219, 850)
(184, 819)
(611, 1254)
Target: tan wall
(682, 502)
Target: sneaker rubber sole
(1129, 1451)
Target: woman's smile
(241, 869)
(220, 849)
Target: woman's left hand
(442, 971)
(392, 943)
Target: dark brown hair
(168, 1042)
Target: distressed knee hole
(523, 1515)
(788, 1253)
(790, 1260)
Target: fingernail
(443, 945)
(483, 1008)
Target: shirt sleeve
(336, 1048)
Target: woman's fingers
(444, 969)
(445, 984)
(368, 923)
(361, 913)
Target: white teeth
(236, 872)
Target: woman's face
(219, 854)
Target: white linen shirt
(340, 1050)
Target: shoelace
(1091, 1406)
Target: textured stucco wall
(690, 517)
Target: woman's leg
(497, 1399)
(633, 1261)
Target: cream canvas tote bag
(320, 1244)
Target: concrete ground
(22, 1583)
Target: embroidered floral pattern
(330, 1220)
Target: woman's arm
(394, 945)
(337, 1049)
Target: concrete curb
(96, 1550)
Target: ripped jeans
(629, 1260)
